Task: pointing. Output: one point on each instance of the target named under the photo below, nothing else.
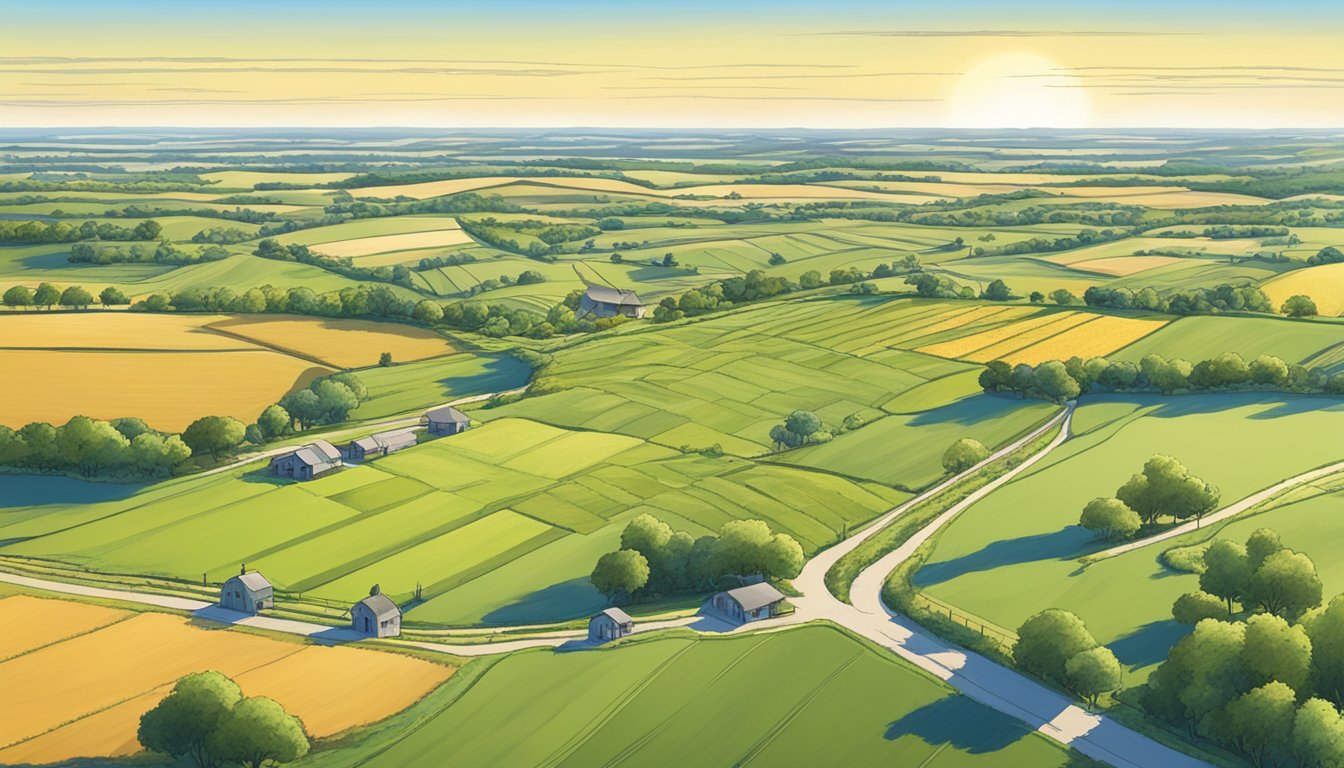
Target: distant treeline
(90, 448)
(36, 232)
(341, 265)
(164, 252)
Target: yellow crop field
(1125, 265)
(168, 390)
(960, 319)
(1098, 338)
(1324, 284)
(340, 343)
(966, 345)
(112, 330)
(365, 246)
(84, 696)
(356, 686)
(34, 622)
(1027, 335)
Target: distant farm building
(601, 301)
(307, 462)
(380, 444)
(611, 624)
(248, 592)
(750, 603)
(376, 615)
(447, 421)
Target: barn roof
(367, 443)
(448, 413)
(755, 596)
(605, 295)
(395, 439)
(381, 605)
(616, 615)
(254, 581)
(325, 449)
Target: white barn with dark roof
(750, 603)
(601, 301)
(376, 615)
(611, 624)
(248, 592)
(307, 462)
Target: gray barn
(601, 301)
(380, 444)
(307, 462)
(248, 592)
(611, 624)
(376, 615)
(447, 421)
(749, 603)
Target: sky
(687, 64)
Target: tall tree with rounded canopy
(214, 435)
(18, 296)
(1227, 571)
(1286, 584)
(181, 724)
(1093, 672)
(258, 731)
(1046, 641)
(1276, 650)
(46, 295)
(1194, 607)
(620, 572)
(1110, 519)
(1318, 735)
(1260, 720)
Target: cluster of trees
(964, 454)
(47, 296)
(270, 249)
(1084, 237)
(1190, 301)
(207, 720)
(162, 253)
(328, 400)
(931, 286)
(1055, 645)
(1154, 373)
(1165, 488)
(526, 277)
(450, 260)
(1267, 683)
(1327, 255)
(92, 448)
(222, 236)
(544, 239)
(352, 301)
(799, 428)
(654, 560)
(62, 232)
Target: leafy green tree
(428, 312)
(1298, 306)
(46, 295)
(335, 400)
(997, 290)
(18, 296)
(783, 557)
(1110, 519)
(1269, 371)
(1064, 298)
(646, 534)
(111, 297)
(182, 723)
(1286, 584)
(258, 731)
(1202, 673)
(1046, 641)
(1227, 571)
(385, 359)
(964, 454)
(1260, 721)
(1325, 628)
(1093, 672)
(799, 428)
(303, 408)
(1055, 383)
(214, 435)
(1261, 544)
(75, 296)
(620, 572)
(273, 422)
(1036, 297)
(1318, 735)
(1194, 607)
(1166, 487)
(1276, 650)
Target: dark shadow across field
(1062, 544)
(566, 600)
(1148, 644)
(961, 723)
(33, 490)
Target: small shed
(750, 603)
(380, 444)
(307, 462)
(248, 592)
(447, 421)
(611, 624)
(376, 615)
(601, 301)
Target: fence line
(987, 629)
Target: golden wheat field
(1028, 336)
(1097, 338)
(34, 622)
(1055, 336)
(954, 319)
(1120, 266)
(112, 330)
(965, 345)
(340, 343)
(1324, 284)
(85, 694)
(365, 246)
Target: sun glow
(1018, 90)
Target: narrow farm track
(1231, 510)
(1050, 713)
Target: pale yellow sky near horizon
(688, 75)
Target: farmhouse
(380, 444)
(749, 603)
(248, 592)
(307, 462)
(611, 624)
(602, 301)
(376, 615)
(447, 421)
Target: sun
(1019, 90)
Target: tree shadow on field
(497, 374)
(960, 723)
(970, 410)
(39, 490)
(1149, 644)
(1062, 544)
(558, 602)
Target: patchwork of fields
(99, 669)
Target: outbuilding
(601, 301)
(750, 603)
(376, 615)
(447, 421)
(307, 462)
(611, 624)
(248, 592)
(380, 444)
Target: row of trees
(162, 253)
(47, 296)
(34, 232)
(1188, 301)
(654, 560)
(345, 266)
(1053, 380)
(1055, 645)
(207, 720)
(1165, 488)
(93, 448)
